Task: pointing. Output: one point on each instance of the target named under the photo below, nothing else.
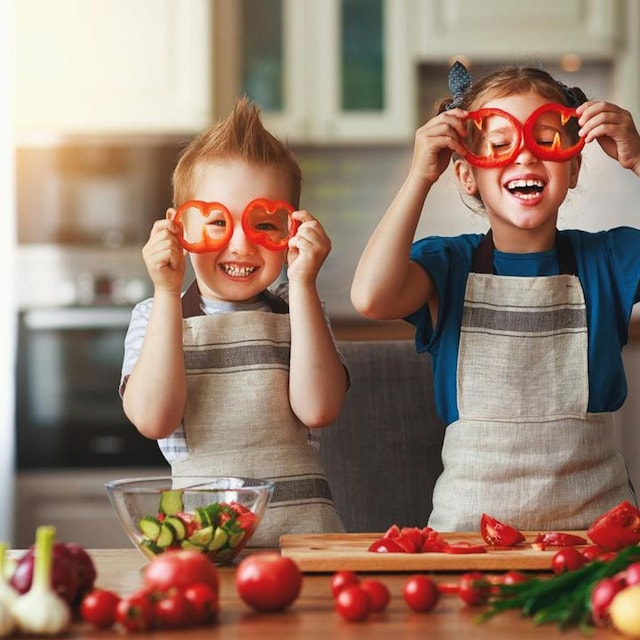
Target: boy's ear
(171, 213)
(465, 176)
(576, 163)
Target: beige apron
(238, 420)
(524, 449)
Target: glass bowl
(212, 515)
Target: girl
(526, 323)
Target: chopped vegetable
(41, 610)
(8, 595)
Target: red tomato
(567, 559)
(386, 545)
(464, 547)
(592, 552)
(379, 594)
(474, 588)
(342, 579)
(601, 596)
(172, 611)
(203, 599)
(558, 539)
(268, 581)
(432, 541)
(353, 603)
(617, 528)
(98, 608)
(513, 577)
(421, 593)
(179, 569)
(498, 533)
(135, 612)
(631, 575)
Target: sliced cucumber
(149, 527)
(186, 544)
(236, 538)
(171, 502)
(167, 535)
(202, 537)
(202, 517)
(218, 540)
(178, 525)
(150, 548)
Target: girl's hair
(241, 136)
(515, 80)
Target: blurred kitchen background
(105, 94)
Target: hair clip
(459, 82)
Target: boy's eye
(266, 226)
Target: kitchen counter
(313, 616)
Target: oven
(68, 411)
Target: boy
(230, 393)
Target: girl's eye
(265, 226)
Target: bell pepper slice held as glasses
(264, 222)
(555, 151)
(504, 151)
(207, 242)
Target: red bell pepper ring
(386, 545)
(555, 151)
(261, 213)
(206, 242)
(511, 134)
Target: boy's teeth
(238, 272)
(522, 184)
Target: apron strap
(191, 306)
(483, 255)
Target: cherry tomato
(172, 611)
(203, 599)
(498, 533)
(617, 528)
(135, 612)
(600, 600)
(98, 608)
(379, 594)
(268, 581)
(567, 559)
(353, 603)
(474, 588)
(421, 593)
(513, 577)
(592, 552)
(342, 579)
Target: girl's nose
(525, 155)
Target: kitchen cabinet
(75, 502)
(111, 66)
(516, 29)
(331, 71)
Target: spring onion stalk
(41, 611)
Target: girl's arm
(155, 394)
(387, 285)
(317, 377)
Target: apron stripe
(237, 357)
(539, 320)
(300, 489)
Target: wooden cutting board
(335, 551)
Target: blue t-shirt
(608, 265)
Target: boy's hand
(164, 256)
(614, 130)
(435, 142)
(308, 249)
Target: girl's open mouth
(526, 189)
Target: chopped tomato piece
(432, 541)
(392, 532)
(617, 528)
(386, 545)
(499, 533)
(464, 547)
(557, 539)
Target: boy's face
(241, 270)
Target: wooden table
(312, 616)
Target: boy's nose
(239, 244)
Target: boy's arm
(317, 376)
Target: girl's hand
(164, 256)
(308, 249)
(435, 142)
(614, 130)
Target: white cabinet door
(299, 79)
(517, 28)
(111, 65)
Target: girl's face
(525, 195)
(242, 270)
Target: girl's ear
(465, 176)
(576, 163)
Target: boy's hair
(515, 80)
(241, 136)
